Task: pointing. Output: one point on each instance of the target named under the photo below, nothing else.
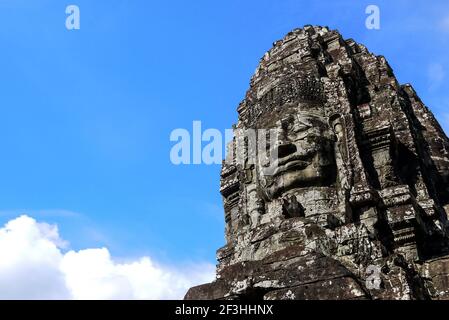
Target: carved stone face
(304, 157)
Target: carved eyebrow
(308, 120)
(302, 120)
(287, 118)
(305, 122)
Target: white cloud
(44, 213)
(33, 265)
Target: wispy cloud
(445, 123)
(445, 23)
(33, 265)
(443, 115)
(435, 75)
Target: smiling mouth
(292, 162)
(290, 166)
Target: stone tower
(355, 205)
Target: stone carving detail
(360, 182)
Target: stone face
(353, 200)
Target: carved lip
(294, 158)
(293, 162)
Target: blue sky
(86, 115)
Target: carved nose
(285, 150)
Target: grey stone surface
(357, 205)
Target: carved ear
(332, 118)
(336, 118)
(261, 192)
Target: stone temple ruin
(357, 206)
